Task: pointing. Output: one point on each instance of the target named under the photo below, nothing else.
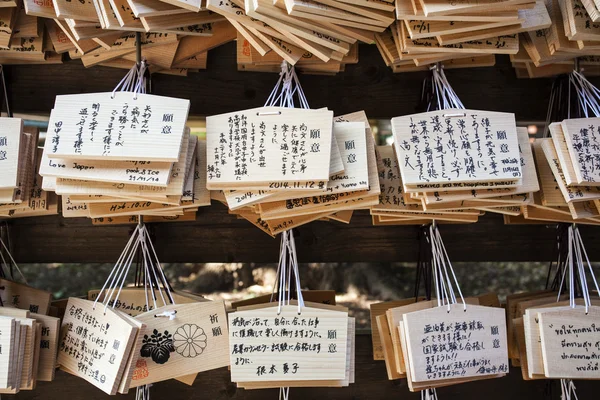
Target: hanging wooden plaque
(10, 148)
(267, 346)
(128, 127)
(378, 309)
(570, 342)
(95, 344)
(276, 147)
(48, 346)
(583, 141)
(315, 296)
(7, 335)
(195, 340)
(24, 297)
(446, 344)
(431, 147)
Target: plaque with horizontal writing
(570, 342)
(451, 344)
(266, 345)
(95, 343)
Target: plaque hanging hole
(455, 115)
(260, 114)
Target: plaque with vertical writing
(455, 145)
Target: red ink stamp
(140, 371)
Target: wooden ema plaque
(273, 147)
(96, 344)
(10, 148)
(583, 142)
(454, 145)
(194, 340)
(7, 336)
(570, 342)
(456, 344)
(24, 297)
(267, 346)
(121, 127)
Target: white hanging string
(587, 260)
(429, 394)
(134, 81)
(445, 95)
(284, 393)
(575, 255)
(153, 273)
(287, 269)
(576, 271)
(287, 266)
(286, 88)
(13, 263)
(567, 390)
(588, 95)
(445, 286)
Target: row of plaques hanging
(279, 166)
(550, 333)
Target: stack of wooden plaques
(249, 59)
(175, 34)
(550, 338)
(29, 336)
(321, 32)
(180, 335)
(282, 167)
(114, 156)
(458, 34)
(553, 335)
(261, 358)
(21, 194)
(390, 344)
(291, 343)
(568, 172)
(453, 165)
(23, 39)
(572, 34)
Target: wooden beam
(217, 236)
(371, 384)
(368, 85)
